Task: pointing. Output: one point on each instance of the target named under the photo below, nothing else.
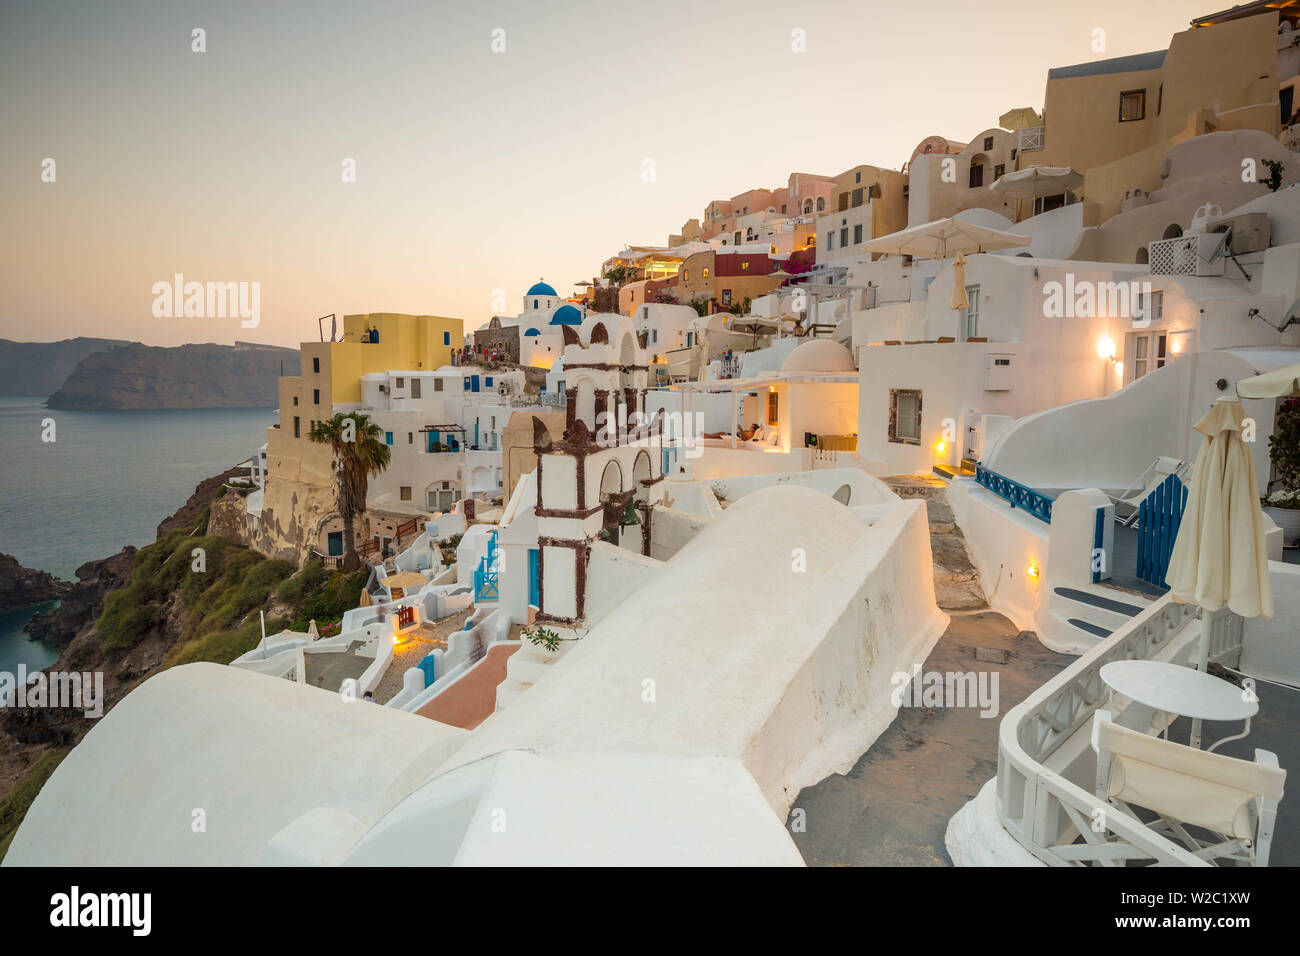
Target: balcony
(1196, 254)
(1031, 137)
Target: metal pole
(1202, 662)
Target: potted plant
(1283, 503)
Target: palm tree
(359, 452)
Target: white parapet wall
(1003, 543)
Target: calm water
(106, 481)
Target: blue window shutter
(489, 381)
(388, 438)
(446, 338)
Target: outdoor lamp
(1106, 348)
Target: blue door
(335, 543)
(533, 589)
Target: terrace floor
(892, 808)
(330, 670)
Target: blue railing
(487, 585)
(1034, 502)
(1159, 515)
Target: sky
(477, 171)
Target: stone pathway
(956, 582)
(411, 652)
(893, 807)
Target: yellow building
(299, 502)
(1114, 120)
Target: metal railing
(1045, 811)
(1034, 502)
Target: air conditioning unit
(1248, 232)
(997, 372)
(384, 389)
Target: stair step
(949, 472)
(1096, 600)
(968, 464)
(1094, 629)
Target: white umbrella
(1219, 557)
(1279, 383)
(943, 238)
(1037, 181)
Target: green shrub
(328, 603)
(291, 590)
(222, 647)
(126, 620)
(15, 805)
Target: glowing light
(1105, 347)
(939, 447)
(1176, 347)
(1032, 570)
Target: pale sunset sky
(475, 170)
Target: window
(830, 240)
(705, 274)
(844, 237)
(410, 438)
(844, 202)
(446, 338)
(534, 303)
(388, 438)
(315, 365)
(726, 297)
(315, 396)
(1147, 352)
(771, 407)
(295, 400)
(905, 416)
(988, 143)
(744, 265)
(401, 382)
(1153, 308)
(686, 275)
(437, 385)
(976, 175)
(415, 388)
(857, 234)
(405, 492)
(999, 170)
(737, 238)
(654, 336)
(821, 204)
(489, 381)
(971, 319)
(1160, 99)
(297, 427)
(857, 177)
(857, 197)
(1132, 105)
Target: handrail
(1043, 810)
(1019, 496)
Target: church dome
(566, 315)
(541, 288)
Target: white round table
(1172, 689)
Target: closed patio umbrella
(959, 300)
(1279, 383)
(1219, 557)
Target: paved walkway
(956, 582)
(410, 652)
(893, 807)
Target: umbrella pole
(1202, 663)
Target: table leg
(1243, 733)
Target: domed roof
(533, 332)
(541, 288)
(566, 315)
(819, 355)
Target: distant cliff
(20, 586)
(141, 377)
(39, 368)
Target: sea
(105, 481)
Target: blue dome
(533, 332)
(566, 315)
(541, 288)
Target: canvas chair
(1235, 800)
(1129, 502)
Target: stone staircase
(956, 582)
(964, 469)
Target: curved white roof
(819, 355)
